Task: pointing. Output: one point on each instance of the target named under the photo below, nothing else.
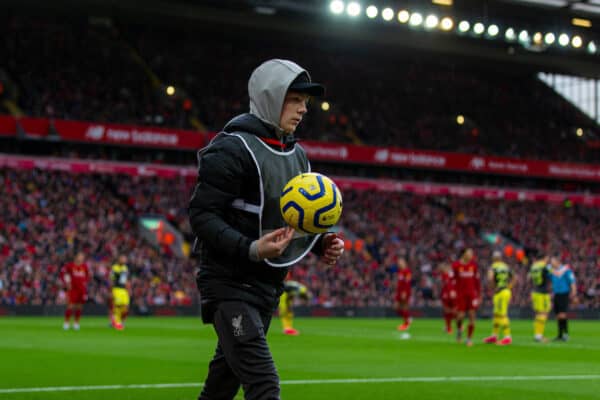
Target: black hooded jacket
(226, 171)
(224, 234)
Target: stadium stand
(404, 99)
(48, 216)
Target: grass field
(332, 359)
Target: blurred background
(447, 124)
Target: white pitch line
(105, 387)
(317, 382)
(444, 379)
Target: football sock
(448, 319)
(496, 325)
(560, 327)
(286, 322)
(459, 324)
(117, 314)
(77, 315)
(470, 330)
(68, 313)
(506, 324)
(539, 325)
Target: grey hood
(268, 86)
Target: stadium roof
(314, 17)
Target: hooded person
(244, 246)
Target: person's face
(555, 262)
(122, 260)
(294, 108)
(468, 255)
(79, 258)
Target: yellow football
(311, 203)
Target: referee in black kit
(565, 290)
(245, 248)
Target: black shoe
(558, 339)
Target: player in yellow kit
(119, 277)
(540, 296)
(292, 289)
(501, 278)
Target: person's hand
(273, 244)
(333, 248)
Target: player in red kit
(468, 288)
(75, 276)
(403, 292)
(448, 294)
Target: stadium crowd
(69, 70)
(46, 217)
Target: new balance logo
(95, 132)
(477, 163)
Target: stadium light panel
(510, 34)
(576, 41)
(478, 28)
(431, 21)
(372, 12)
(442, 2)
(493, 30)
(325, 106)
(523, 36)
(591, 47)
(446, 24)
(387, 14)
(563, 39)
(416, 19)
(460, 119)
(549, 38)
(537, 38)
(353, 9)
(170, 90)
(336, 6)
(582, 22)
(464, 26)
(403, 16)
(579, 132)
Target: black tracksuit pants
(242, 356)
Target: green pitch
(319, 364)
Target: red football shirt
(404, 278)
(448, 281)
(467, 278)
(78, 274)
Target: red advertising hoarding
(345, 183)
(392, 156)
(130, 135)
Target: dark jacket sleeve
(222, 170)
